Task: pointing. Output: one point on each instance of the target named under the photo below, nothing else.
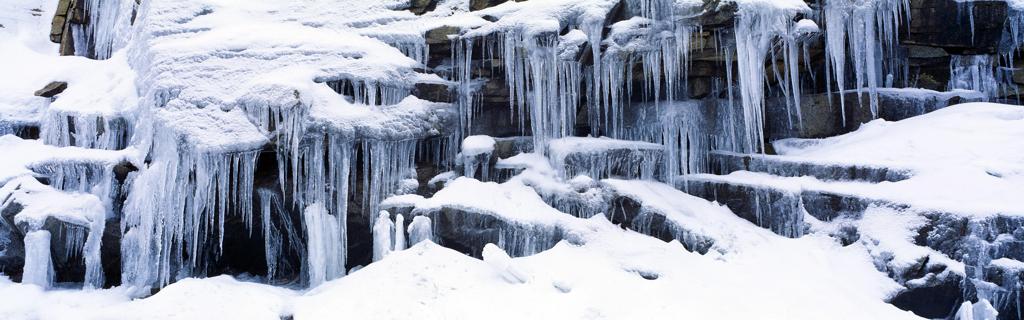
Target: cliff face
(294, 141)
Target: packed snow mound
(221, 297)
(574, 282)
(40, 202)
(477, 145)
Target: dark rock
(822, 115)
(946, 24)
(12, 249)
(436, 92)
(440, 35)
(771, 208)
(475, 5)
(52, 89)
(934, 301)
(422, 6)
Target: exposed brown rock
(52, 89)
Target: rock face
(68, 12)
(948, 24)
(52, 89)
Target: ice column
(382, 232)
(325, 258)
(420, 229)
(399, 232)
(38, 264)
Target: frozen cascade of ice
(984, 245)
(177, 204)
(326, 249)
(385, 165)
(664, 55)
(975, 72)
(94, 131)
(108, 29)
(420, 230)
(320, 178)
(757, 28)
(383, 229)
(869, 29)
(544, 85)
(399, 232)
(38, 264)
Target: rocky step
(726, 162)
(601, 158)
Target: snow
(477, 145)
(221, 297)
(511, 201)
(573, 282)
(25, 51)
(890, 234)
(697, 216)
(202, 86)
(212, 130)
(966, 158)
(40, 202)
(21, 155)
(569, 281)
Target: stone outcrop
(52, 89)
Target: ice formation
(420, 229)
(383, 231)
(869, 31)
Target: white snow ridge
(511, 159)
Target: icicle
(271, 238)
(38, 268)
(382, 232)
(176, 204)
(370, 92)
(385, 165)
(420, 229)
(543, 85)
(871, 27)
(399, 232)
(757, 28)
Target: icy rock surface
(548, 152)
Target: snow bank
(967, 158)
